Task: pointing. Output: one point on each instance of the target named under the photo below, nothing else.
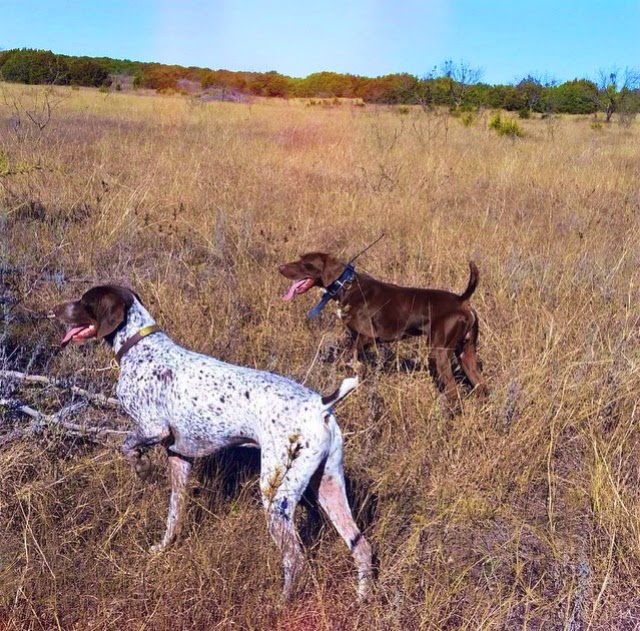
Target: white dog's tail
(345, 388)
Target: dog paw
(365, 592)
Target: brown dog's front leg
(357, 345)
(179, 468)
(347, 351)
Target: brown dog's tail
(474, 276)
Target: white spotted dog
(195, 405)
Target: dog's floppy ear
(110, 314)
(331, 269)
(110, 305)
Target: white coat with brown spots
(195, 405)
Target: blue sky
(507, 38)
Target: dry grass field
(523, 512)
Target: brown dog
(374, 311)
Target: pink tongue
(70, 333)
(292, 290)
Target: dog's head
(97, 314)
(315, 269)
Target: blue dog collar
(332, 290)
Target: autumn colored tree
(269, 84)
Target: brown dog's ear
(109, 304)
(331, 270)
(110, 314)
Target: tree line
(454, 84)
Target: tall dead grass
(523, 512)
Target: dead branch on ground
(100, 399)
(40, 420)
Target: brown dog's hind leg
(468, 360)
(444, 375)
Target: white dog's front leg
(179, 468)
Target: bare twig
(101, 399)
(55, 419)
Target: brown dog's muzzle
(302, 279)
(80, 325)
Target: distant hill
(579, 96)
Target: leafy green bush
(86, 71)
(505, 126)
(524, 113)
(511, 128)
(495, 121)
(34, 67)
(467, 118)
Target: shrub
(403, 109)
(524, 113)
(510, 128)
(596, 126)
(505, 126)
(459, 112)
(34, 67)
(495, 121)
(85, 71)
(467, 118)
(626, 118)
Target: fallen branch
(58, 383)
(55, 419)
